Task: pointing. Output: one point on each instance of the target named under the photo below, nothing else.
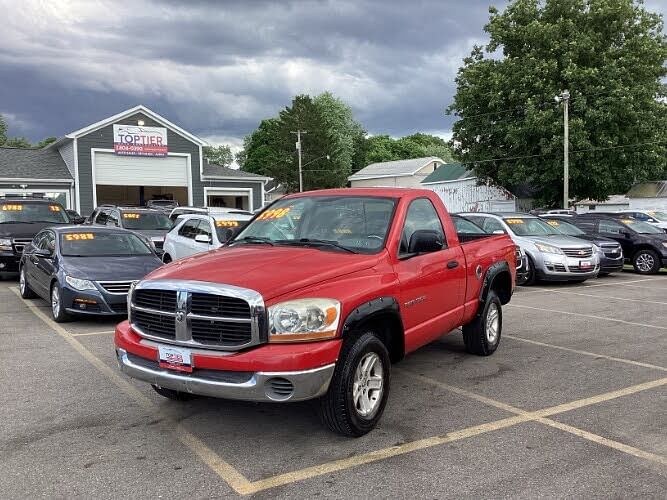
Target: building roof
(614, 199)
(655, 189)
(32, 164)
(449, 172)
(397, 168)
(211, 170)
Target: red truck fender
(498, 277)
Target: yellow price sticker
(343, 230)
(514, 221)
(226, 223)
(79, 236)
(131, 216)
(54, 208)
(12, 208)
(276, 213)
(627, 221)
(553, 223)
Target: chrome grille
(579, 253)
(20, 244)
(612, 251)
(198, 314)
(116, 287)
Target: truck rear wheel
(359, 387)
(482, 335)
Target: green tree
(381, 148)
(3, 130)
(17, 142)
(219, 155)
(609, 54)
(46, 142)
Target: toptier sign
(134, 140)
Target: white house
(613, 203)
(648, 195)
(399, 173)
(462, 191)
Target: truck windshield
(91, 244)
(25, 212)
(349, 223)
(565, 227)
(146, 221)
(527, 226)
(642, 227)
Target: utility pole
(298, 148)
(565, 99)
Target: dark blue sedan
(84, 269)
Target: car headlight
(303, 319)
(5, 244)
(80, 284)
(548, 248)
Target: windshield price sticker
(514, 221)
(627, 221)
(276, 213)
(54, 208)
(553, 223)
(131, 216)
(79, 236)
(226, 223)
(343, 230)
(12, 208)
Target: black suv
(644, 245)
(149, 223)
(20, 220)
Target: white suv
(196, 233)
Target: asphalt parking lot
(573, 404)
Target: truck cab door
(432, 284)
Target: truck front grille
(578, 253)
(198, 314)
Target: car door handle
(452, 264)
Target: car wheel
(57, 307)
(646, 262)
(166, 258)
(359, 388)
(531, 279)
(482, 335)
(172, 394)
(24, 288)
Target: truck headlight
(548, 248)
(6, 244)
(304, 319)
(130, 292)
(80, 284)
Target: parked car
(20, 220)
(162, 205)
(196, 233)
(644, 245)
(656, 218)
(176, 212)
(84, 269)
(74, 217)
(610, 251)
(315, 299)
(149, 223)
(552, 256)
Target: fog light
(2, 265)
(81, 301)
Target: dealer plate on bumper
(175, 358)
(585, 264)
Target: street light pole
(565, 99)
(298, 148)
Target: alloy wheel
(368, 385)
(645, 262)
(55, 301)
(492, 323)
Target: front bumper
(79, 302)
(552, 267)
(611, 265)
(9, 262)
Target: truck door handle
(452, 264)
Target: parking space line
(584, 285)
(587, 353)
(644, 325)
(643, 301)
(656, 288)
(90, 333)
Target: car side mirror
(498, 231)
(42, 253)
(202, 238)
(425, 241)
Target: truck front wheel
(359, 388)
(482, 335)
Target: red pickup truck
(314, 299)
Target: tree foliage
(219, 155)
(609, 54)
(381, 148)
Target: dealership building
(129, 158)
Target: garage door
(115, 170)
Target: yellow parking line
(587, 353)
(644, 325)
(90, 333)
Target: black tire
(646, 261)
(172, 394)
(337, 407)
(24, 287)
(58, 313)
(166, 258)
(532, 273)
(477, 339)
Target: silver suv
(552, 255)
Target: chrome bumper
(260, 386)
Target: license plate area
(175, 358)
(585, 264)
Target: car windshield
(98, 244)
(146, 221)
(565, 227)
(529, 226)
(661, 216)
(26, 212)
(348, 223)
(225, 226)
(642, 227)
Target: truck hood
(110, 268)
(271, 271)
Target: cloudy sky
(218, 67)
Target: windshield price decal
(226, 223)
(627, 221)
(54, 208)
(514, 221)
(276, 213)
(343, 230)
(131, 216)
(79, 236)
(553, 223)
(12, 208)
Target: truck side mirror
(425, 241)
